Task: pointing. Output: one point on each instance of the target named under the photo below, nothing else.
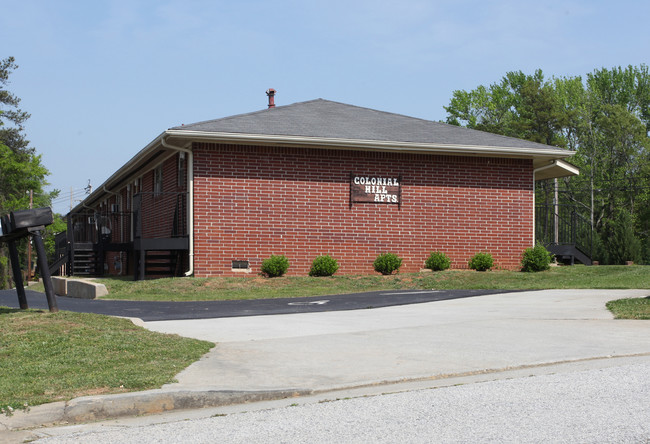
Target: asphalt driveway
(160, 311)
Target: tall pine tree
(21, 170)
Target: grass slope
(46, 357)
(254, 287)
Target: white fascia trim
(574, 170)
(561, 164)
(329, 142)
(368, 144)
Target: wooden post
(556, 219)
(18, 276)
(69, 269)
(143, 261)
(45, 271)
(29, 244)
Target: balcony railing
(154, 215)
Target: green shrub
(481, 262)
(437, 261)
(275, 266)
(619, 240)
(387, 263)
(323, 266)
(536, 258)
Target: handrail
(572, 228)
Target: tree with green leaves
(604, 118)
(21, 169)
(11, 114)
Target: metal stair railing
(565, 227)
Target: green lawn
(256, 287)
(46, 357)
(637, 308)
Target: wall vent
(240, 265)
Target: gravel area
(609, 405)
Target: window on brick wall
(157, 181)
(181, 169)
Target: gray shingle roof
(333, 120)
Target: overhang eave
(547, 162)
(555, 169)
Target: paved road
(601, 405)
(162, 311)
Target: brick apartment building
(319, 177)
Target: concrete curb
(60, 285)
(95, 408)
(78, 288)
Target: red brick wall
(251, 202)
(158, 209)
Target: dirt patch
(102, 391)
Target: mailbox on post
(19, 224)
(30, 219)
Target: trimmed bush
(275, 266)
(437, 261)
(536, 258)
(323, 266)
(481, 262)
(387, 263)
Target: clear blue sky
(102, 79)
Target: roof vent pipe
(271, 93)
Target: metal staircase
(85, 259)
(565, 233)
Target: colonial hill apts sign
(375, 189)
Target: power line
(67, 197)
(600, 189)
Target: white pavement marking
(309, 303)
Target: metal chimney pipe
(271, 93)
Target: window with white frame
(157, 180)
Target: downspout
(535, 171)
(190, 206)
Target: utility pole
(29, 241)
